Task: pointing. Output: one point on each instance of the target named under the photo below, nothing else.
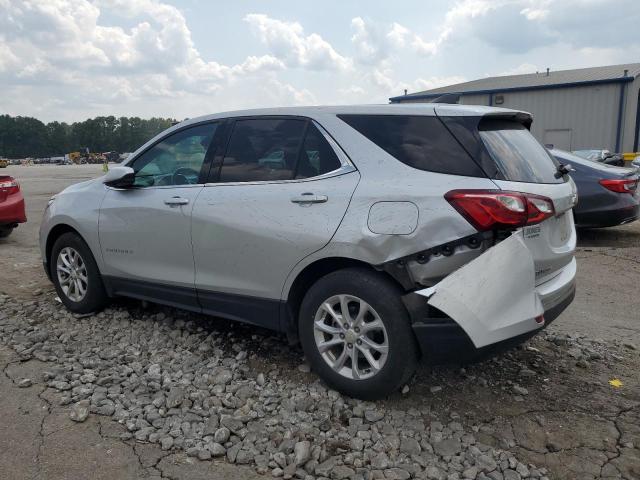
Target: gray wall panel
(575, 117)
(630, 110)
(589, 113)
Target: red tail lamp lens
(620, 185)
(494, 209)
(9, 185)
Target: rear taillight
(621, 185)
(495, 209)
(9, 186)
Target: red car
(11, 205)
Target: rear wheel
(76, 276)
(356, 334)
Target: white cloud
(8, 60)
(535, 13)
(383, 79)
(62, 42)
(523, 68)
(376, 43)
(435, 82)
(283, 94)
(288, 42)
(81, 57)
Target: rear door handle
(176, 201)
(309, 197)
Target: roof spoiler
(452, 98)
(524, 118)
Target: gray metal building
(572, 109)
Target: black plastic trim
(442, 340)
(171, 295)
(262, 312)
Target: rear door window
(316, 157)
(262, 150)
(517, 154)
(421, 142)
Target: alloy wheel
(72, 274)
(351, 337)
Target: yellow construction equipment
(86, 157)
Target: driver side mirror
(119, 177)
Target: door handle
(176, 201)
(309, 197)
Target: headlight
(50, 202)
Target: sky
(69, 60)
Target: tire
(94, 298)
(383, 303)
(5, 231)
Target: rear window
(517, 154)
(421, 142)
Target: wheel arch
(307, 277)
(56, 232)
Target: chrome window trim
(156, 187)
(343, 170)
(346, 166)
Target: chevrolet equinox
(375, 235)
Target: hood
(77, 187)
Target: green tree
(22, 137)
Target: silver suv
(374, 235)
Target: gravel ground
(218, 390)
(154, 392)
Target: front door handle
(176, 201)
(309, 197)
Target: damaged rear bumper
(490, 304)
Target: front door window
(176, 160)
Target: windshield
(517, 154)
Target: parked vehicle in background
(373, 234)
(636, 162)
(4, 163)
(12, 211)
(607, 195)
(602, 156)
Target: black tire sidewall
(5, 231)
(96, 297)
(384, 297)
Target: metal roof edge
(583, 83)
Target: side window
(317, 157)
(176, 160)
(421, 142)
(262, 150)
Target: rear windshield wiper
(563, 169)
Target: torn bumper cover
(488, 303)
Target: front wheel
(356, 333)
(76, 276)
(5, 231)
